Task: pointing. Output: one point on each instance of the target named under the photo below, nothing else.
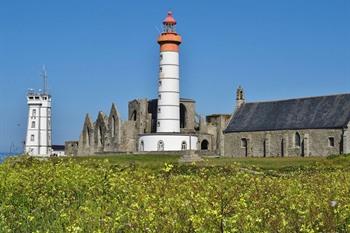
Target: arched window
(160, 145)
(184, 145)
(142, 146)
(183, 116)
(204, 144)
(297, 139)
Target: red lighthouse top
(169, 40)
(169, 19)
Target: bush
(97, 196)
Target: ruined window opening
(133, 115)
(183, 116)
(100, 135)
(113, 126)
(88, 136)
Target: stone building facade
(314, 126)
(111, 134)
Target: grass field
(273, 163)
(153, 193)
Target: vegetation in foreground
(152, 194)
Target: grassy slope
(156, 161)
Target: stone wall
(189, 116)
(313, 142)
(71, 148)
(215, 125)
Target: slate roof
(323, 112)
(58, 147)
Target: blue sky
(99, 52)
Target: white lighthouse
(168, 136)
(38, 139)
(168, 117)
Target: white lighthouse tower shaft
(38, 138)
(168, 117)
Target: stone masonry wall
(314, 142)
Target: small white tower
(38, 139)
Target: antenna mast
(44, 75)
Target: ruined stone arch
(114, 122)
(101, 129)
(88, 131)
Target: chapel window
(297, 139)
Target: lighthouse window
(158, 110)
(160, 69)
(160, 145)
(184, 145)
(159, 96)
(34, 112)
(33, 124)
(158, 124)
(142, 145)
(32, 137)
(161, 57)
(160, 83)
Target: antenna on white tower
(44, 75)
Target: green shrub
(97, 196)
